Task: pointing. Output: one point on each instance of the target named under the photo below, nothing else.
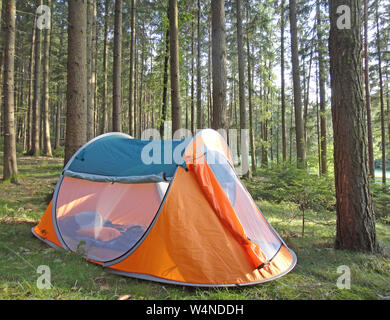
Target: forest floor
(314, 277)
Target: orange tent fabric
(224, 210)
(45, 228)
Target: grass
(314, 277)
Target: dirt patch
(11, 221)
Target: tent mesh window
(103, 220)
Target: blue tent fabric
(119, 156)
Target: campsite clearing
(314, 277)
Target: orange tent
(168, 211)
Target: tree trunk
(59, 106)
(318, 119)
(291, 131)
(135, 86)
(199, 120)
(58, 117)
(355, 215)
(251, 133)
(76, 96)
(165, 84)
(192, 81)
(299, 130)
(21, 119)
(277, 139)
(306, 95)
(322, 82)
(1, 66)
(388, 107)
(368, 96)
(218, 35)
(283, 93)
(141, 86)
(264, 126)
(10, 171)
(241, 90)
(174, 55)
(104, 112)
(117, 71)
(388, 100)
(131, 74)
(91, 16)
(209, 76)
(94, 71)
(186, 101)
(35, 147)
(46, 96)
(382, 103)
(30, 85)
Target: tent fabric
(207, 139)
(253, 222)
(199, 226)
(224, 210)
(45, 228)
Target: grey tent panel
(127, 180)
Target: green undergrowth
(72, 277)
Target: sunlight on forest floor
(314, 277)
(378, 176)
